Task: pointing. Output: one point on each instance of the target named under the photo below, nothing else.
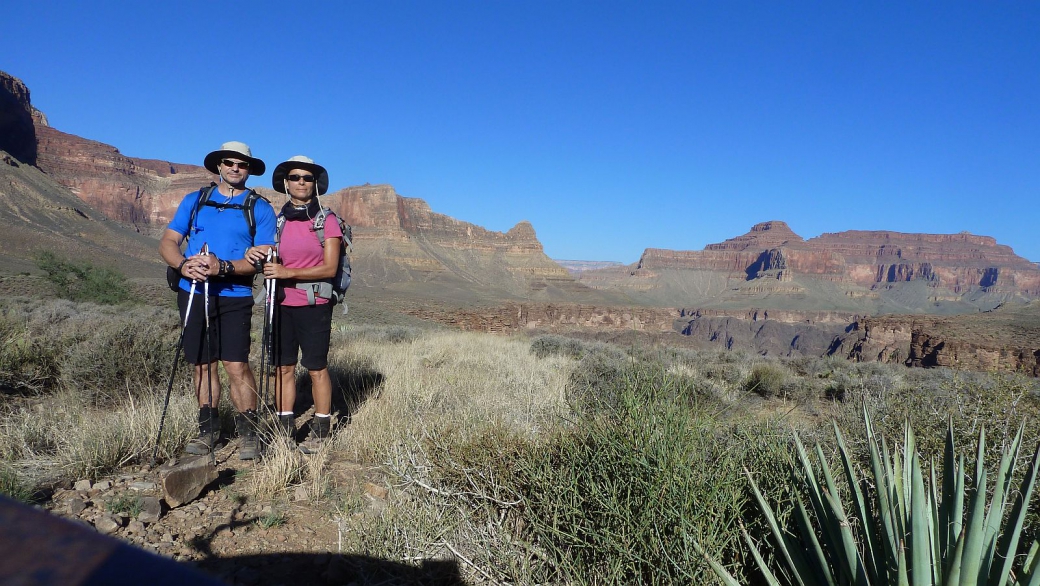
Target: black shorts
(229, 322)
(307, 329)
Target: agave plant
(894, 528)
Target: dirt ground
(237, 541)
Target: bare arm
(196, 268)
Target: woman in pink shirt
(304, 268)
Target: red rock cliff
(957, 262)
(142, 193)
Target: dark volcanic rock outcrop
(17, 133)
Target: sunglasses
(307, 178)
(241, 164)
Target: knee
(237, 371)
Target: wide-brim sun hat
(238, 150)
(321, 176)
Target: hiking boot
(249, 443)
(321, 429)
(287, 425)
(209, 433)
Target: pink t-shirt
(299, 247)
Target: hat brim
(282, 170)
(212, 162)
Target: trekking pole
(173, 370)
(271, 300)
(209, 363)
(264, 357)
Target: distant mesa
(859, 271)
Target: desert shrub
(817, 367)
(99, 352)
(27, 363)
(83, 281)
(767, 379)
(118, 357)
(553, 345)
(125, 502)
(599, 378)
(620, 497)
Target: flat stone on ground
(184, 481)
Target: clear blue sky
(610, 126)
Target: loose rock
(185, 481)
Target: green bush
(622, 496)
(767, 379)
(553, 345)
(387, 334)
(101, 353)
(117, 357)
(84, 281)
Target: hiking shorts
(229, 322)
(305, 329)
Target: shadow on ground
(350, 389)
(48, 550)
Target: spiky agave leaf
(1007, 545)
(974, 526)
(874, 555)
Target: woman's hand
(258, 253)
(274, 270)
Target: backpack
(173, 277)
(335, 291)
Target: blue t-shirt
(227, 233)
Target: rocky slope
(39, 215)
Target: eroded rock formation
(400, 239)
(862, 271)
(17, 133)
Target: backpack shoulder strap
(248, 208)
(204, 195)
(279, 224)
(319, 224)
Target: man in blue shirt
(226, 271)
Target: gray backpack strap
(319, 224)
(316, 289)
(279, 224)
